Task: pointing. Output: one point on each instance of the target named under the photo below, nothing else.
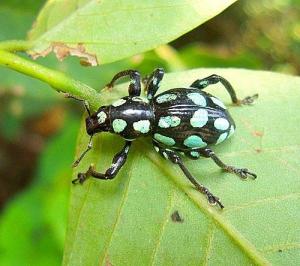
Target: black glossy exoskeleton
(180, 120)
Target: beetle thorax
(130, 117)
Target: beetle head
(98, 121)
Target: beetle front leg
(152, 84)
(213, 79)
(241, 172)
(117, 163)
(135, 81)
(176, 159)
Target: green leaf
(127, 221)
(16, 17)
(106, 31)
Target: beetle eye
(89, 123)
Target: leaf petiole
(58, 80)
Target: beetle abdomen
(187, 118)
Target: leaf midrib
(243, 244)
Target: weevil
(180, 121)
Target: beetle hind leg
(213, 79)
(243, 173)
(176, 159)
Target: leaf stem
(58, 80)
(15, 45)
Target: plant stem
(15, 45)
(58, 80)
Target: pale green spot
(165, 155)
(168, 121)
(142, 126)
(119, 125)
(222, 137)
(197, 98)
(199, 118)
(139, 99)
(136, 99)
(165, 140)
(221, 124)
(194, 142)
(118, 102)
(203, 83)
(166, 97)
(101, 117)
(195, 154)
(218, 102)
(231, 131)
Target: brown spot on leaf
(62, 50)
(107, 261)
(257, 133)
(176, 217)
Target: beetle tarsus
(243, 173)
(213, 200)
(81, 177)
(248, 100)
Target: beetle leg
(117, 163)
(241, 172)
(213, 79)
(152, 83)
(176, 159)
(135, 81)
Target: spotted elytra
(179, 120)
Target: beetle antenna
(87, 108)
(89, 146)
(85, 103)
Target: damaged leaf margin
(114, 30)
(62, 50)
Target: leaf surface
(128, 221)
(105, 31)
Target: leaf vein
(262, 202)
(164, 223)
(79, 217)
(210, 236)
(124, 198)
(276, 248)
